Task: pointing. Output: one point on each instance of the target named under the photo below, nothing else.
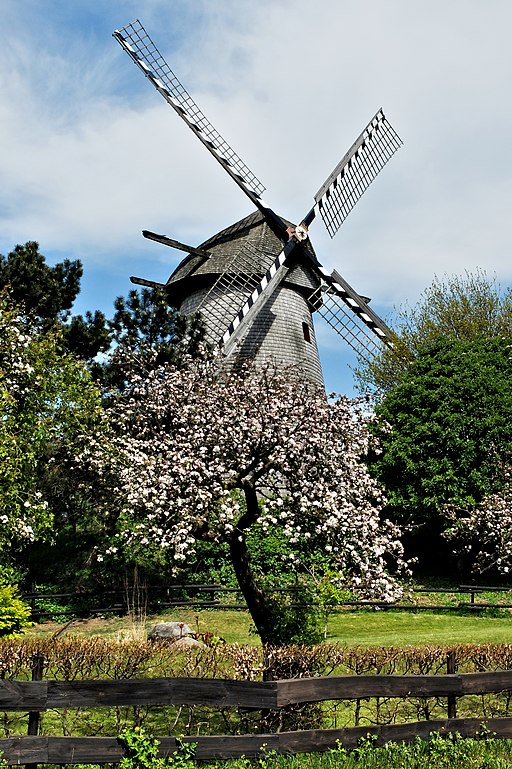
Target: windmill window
(306, 332)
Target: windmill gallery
(257, 283)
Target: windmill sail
(350, 316)
(139, 46)
(336, 198)
(263, 289)
(342, 320)
(236, 290)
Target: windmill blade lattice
(265, 288)
(139, 46)
(348, 313)
(332, 308)
(354, 173)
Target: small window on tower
(306, 332)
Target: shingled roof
(249, 241)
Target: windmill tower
(258, 282)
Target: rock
(169, 631)
(186, 643)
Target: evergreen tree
(47, 294)
(154, 333)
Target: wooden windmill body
(215, 286)
(257, 283)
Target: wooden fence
(212, 596)
(38, 696)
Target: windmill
(257, 283)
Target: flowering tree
(483, 535)
(46, 400)
(198, 457)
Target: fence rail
(207, 597)
(85, 750)
(37, 696)
(42, 695)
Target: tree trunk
(257, 602)
(255, 598)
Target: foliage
(330, 592)
(54, 608)
(467, 753)
(47, 292)
(141, 320)
(294, 618)
(440, 750)
(464, 308)
(300, 615)
(445, 430)
(142, 752)
(87, 336)
(14, 613)
(43, 296)
(192, 454)
(144, 318)
(279, 563)
(46, 402)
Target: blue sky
(91, 154)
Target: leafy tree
(468, 307)
(14, 613)
(446, 430)
(47, 402)
(202, 457)
(47, 294)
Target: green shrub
(142, 752)
(53, 609)
(14, 613)
(294, 623)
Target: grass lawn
(387, 628)
(365, 628)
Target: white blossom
(187, 444)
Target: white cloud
(91, 155)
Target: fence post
(34, 716)
(451, 668)
(33, 601)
